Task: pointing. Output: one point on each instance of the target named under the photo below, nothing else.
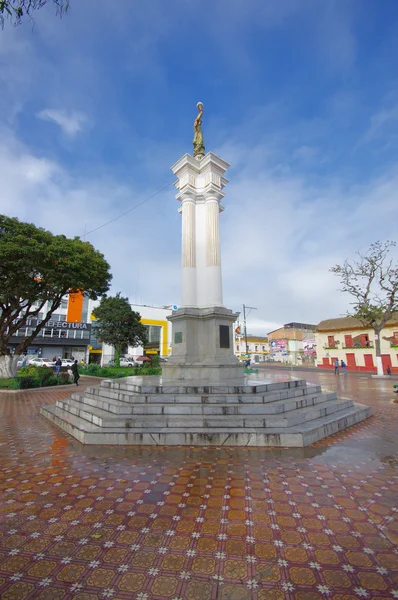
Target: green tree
(16, 10)
(372, 280)
(37, 269)
(118, 325)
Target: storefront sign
(278, 347)
(309, 347)
(59, 325)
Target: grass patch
(9, 384)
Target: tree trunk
(8, 366)
(117, 356)
(379, 363)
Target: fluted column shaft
(188, 252)
(213, 253)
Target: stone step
(281, 406)
(103, 418)
(260, 398)
(297, 436)
(144, 386)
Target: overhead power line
(128, 211)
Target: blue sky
(300, 96)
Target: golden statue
(198, 143)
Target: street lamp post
(249, 308)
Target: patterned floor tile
(88, 523)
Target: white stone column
(188, 252)
(212, 273)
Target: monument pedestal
(203, 346)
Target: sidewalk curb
(39, 389)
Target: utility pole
(249, 308)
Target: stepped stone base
(244, 412)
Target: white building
(257, 346)
(159, 334)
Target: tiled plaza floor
(88, 523)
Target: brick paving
(145, 523)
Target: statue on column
(198, 143)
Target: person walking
(344, 367)
(388, 370)
(75, 372)
(58, 365)
(336, 367)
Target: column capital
(213, 194)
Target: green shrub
(28, 381)
(63, 378)
(53, 380)
(151, 371)
(92, 369)
(155, 364)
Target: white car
(42, 362)
(124, 362)
(67, 362)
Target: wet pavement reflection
(200, 523)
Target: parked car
(42, 362)
(67, 362)
(162, 359)
(124, 362)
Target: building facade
(258, 347)
(66, 334)
(348, 340)
(294, 344)
(158, 331)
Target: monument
(202, 339)
(203, 396)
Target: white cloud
(71, 122)
(280, 234)
(382, 123)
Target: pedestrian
(83, 364)
(388, 370)
(344, 367)
(336, 367)
(25, 361)
(58, 365)
(75, 372)
(54, 358)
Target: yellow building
(258, 347)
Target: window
(263, 348)
(64, 303)
(331, 342)
(395, 340)
(364, 340)
(255, 348)
(348, 341)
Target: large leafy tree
(118, 325)
(372, 281)
(17, 10)
(37, 269)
